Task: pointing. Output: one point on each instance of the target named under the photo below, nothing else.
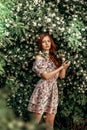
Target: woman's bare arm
(61, 70)
(48, 75)
(62, 73)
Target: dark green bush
(20, 24)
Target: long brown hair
(52, 49)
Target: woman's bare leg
(37, 117)
(50, 121)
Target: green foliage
(2, 64)
(74, 36)
(8, 121)
(20, 24)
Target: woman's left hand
(66, 64)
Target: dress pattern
(45, 95)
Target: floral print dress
(45, 95)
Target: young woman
(44, 98)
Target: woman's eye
(43, 42)
(49, 41)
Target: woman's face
(46, 43)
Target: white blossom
(54, 25)
(6, 33)
(48, 20)
(37, 1)
(34, 24)
(53, 15)
(57, 18)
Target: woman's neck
(45, 51)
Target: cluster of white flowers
(19, 7)
(37, 1)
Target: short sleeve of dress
(39, 66)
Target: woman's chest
(50, 66)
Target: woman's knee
(37, 117)
(50, 119)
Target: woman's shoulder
(38, 57)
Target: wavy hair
(52, 49)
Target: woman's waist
(48, 81)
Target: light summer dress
(45, 95)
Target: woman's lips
(47, 46)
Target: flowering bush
(20, 28)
